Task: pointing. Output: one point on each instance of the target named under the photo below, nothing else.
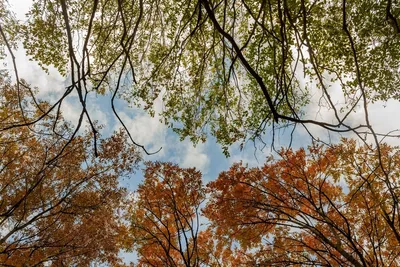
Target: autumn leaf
(59, 204)
(321, 206)
(165, 216)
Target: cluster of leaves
(229, 68)
(329, 206)
(58, 204)
(165, 216)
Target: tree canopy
(165, 216)
(321, 206)
(226, 68)
(236, 70)
(58, 204)
(317, 207)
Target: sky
(150, 132)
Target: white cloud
(20, 7)
(145, 130)
(195, 156)
(247, 159)
(319, 110)
(50, 85)
(384, 118)
(71, 110)
(381, 116)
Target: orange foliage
(331, 206)
(57, 208)
(165, 216)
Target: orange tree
(334, 206)
(58, 203)
(165, 216)
(166, 222)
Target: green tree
(229, 68)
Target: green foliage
(8, 26)
(44, 37)
(209, 67)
